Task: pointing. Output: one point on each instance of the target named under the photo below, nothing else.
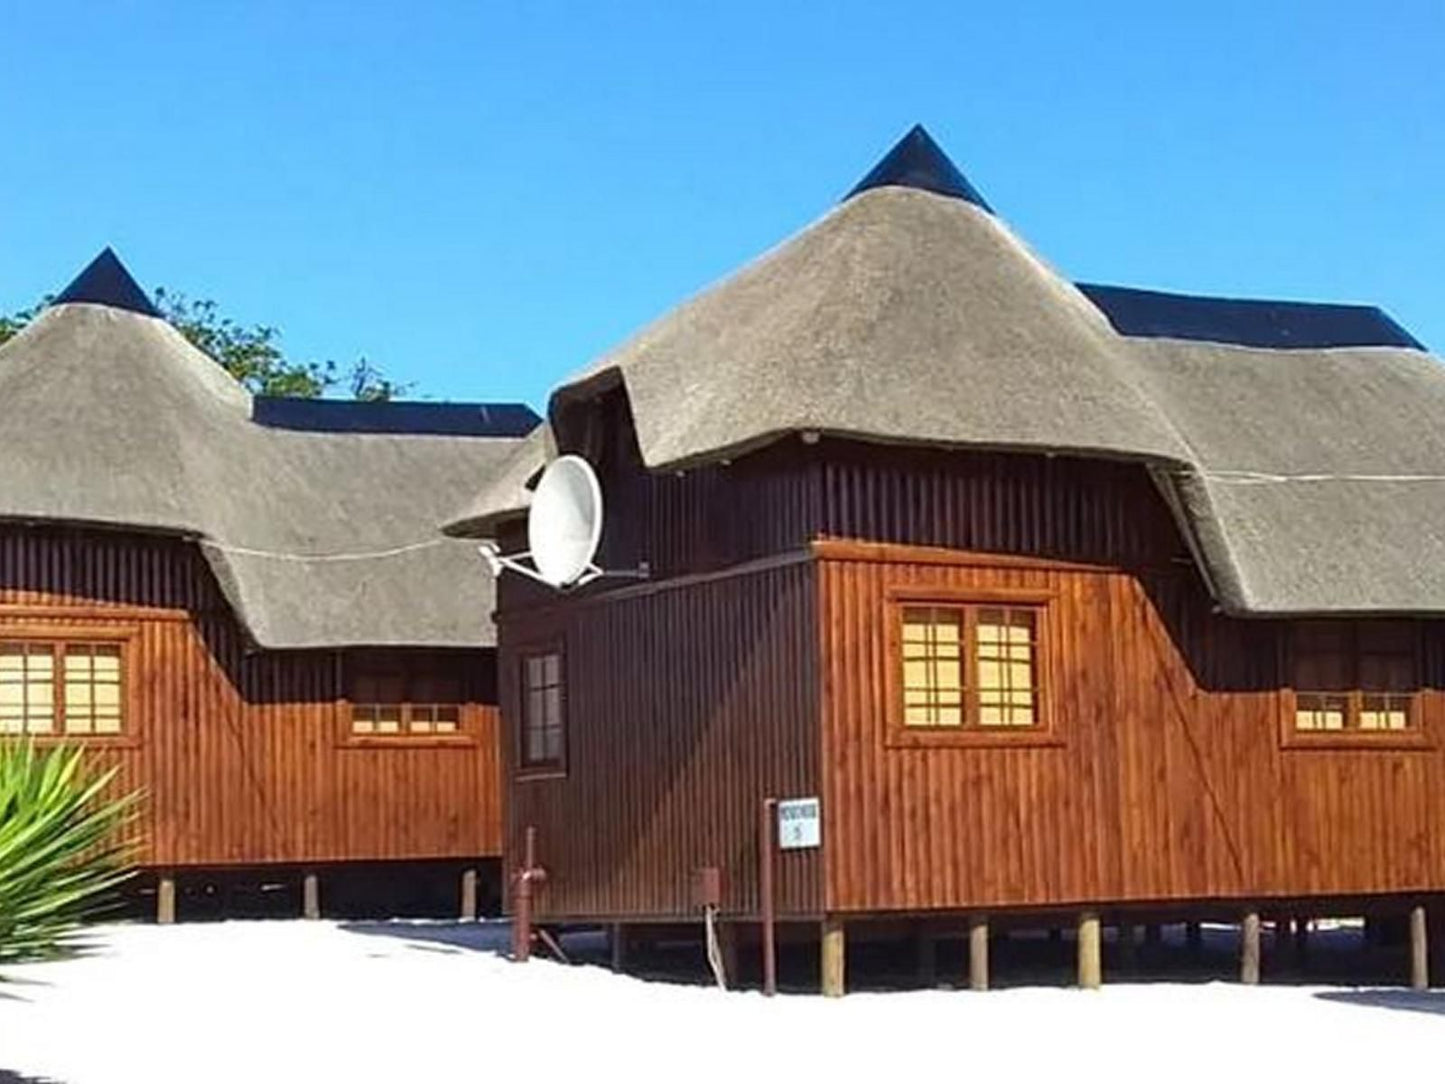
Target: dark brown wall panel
(686, 706)
(244, 755)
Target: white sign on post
(800, 824)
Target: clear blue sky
(482, 197)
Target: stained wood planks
(243, 754)
(685, 708)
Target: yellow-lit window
(1354, 676)
(933, 666)
(969, 666)
(92, 689)
(27, 688)
(1005, 645)
(50, 688)
(402, 703)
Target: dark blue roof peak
(105, 281)
(916, 161)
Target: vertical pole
(834, 955)
(765, 890)
(1301, 939)
(469, 895)
(1091, 970)
(1127, 941)
(617, 943)
(1419, 950)
(1153, 936)
(522, 911)
(977, 953)
(1194, 937)
(311, 896)
(927, 948)
(166, 899)
(1249, 949)
(727, 943)
(1090, 950)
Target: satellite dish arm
(497, 562)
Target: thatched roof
(1300, 444)
(109, 417)
(508, 491)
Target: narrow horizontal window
(405, 703)
(1354, 677)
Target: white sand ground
(316, 1002)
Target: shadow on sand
(492, 936)
(1427, 1001)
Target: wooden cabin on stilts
(244, 604)
(1071, 606)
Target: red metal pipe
(765, 891)
(530, 874)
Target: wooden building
(245, 605)
(1069, 603)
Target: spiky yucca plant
(63, 846)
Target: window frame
(352, 665)
(58, 637)
(1416, 735)
(550, 769)
(899, 735)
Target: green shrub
(63, 846)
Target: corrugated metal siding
(686, 706)
(240, 754)
(996, 502)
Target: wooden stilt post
(1153, 936)
(1435, 938)
(1091, 969)
(311, 896)
(1128, 957)
(617, 944)
(833, 958)
(927, 948)
(1249, 949)
(978, 953)
(727, 943)
(166, 899)
(1419, 950)
(469, 895)
(1301, 939)
(1194, 937)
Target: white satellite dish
(564, 525)
(564, 528)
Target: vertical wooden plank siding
(686, 705)
(243, 755)
(1170, 782)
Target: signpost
(800, 824)
(789, 824)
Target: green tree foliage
(252, 354)
(63, 845)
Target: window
(1356, 677)
(542, 708)
(60, 688)
(404, 702)
(969, 667)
